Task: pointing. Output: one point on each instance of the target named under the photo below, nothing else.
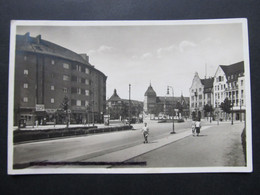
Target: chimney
(27, 37)
(38, 39)
(85, 57)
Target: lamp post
(232, 113)
(173, 129)
(217, 111)
(129, 104)
(196, 110)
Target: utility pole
(173, 127)
(129, 105)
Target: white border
(15, 23)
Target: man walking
(145, 131)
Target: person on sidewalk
(193, 127)
(197, 127)
(145, 131)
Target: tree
(65, 108)
(208, 109)
(226, 106)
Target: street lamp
(173, 131)
(196, 96)
(217, 111)
(129, 104)
(232, 113)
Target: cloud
(146, 55)
(186, 44)
(101, 49)
(175, 48)
(161, 51)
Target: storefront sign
(39, 107)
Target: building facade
(119, 108)
(46, 73)
(229, 83)
(201, 94)
(165, 106)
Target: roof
(173, 100)
(150, 91)
(208, 83)
(114, 97)
(233, 68)
(38, 45)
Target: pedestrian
(145, 131)
(193, 127)
(198, 126)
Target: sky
(163, 55)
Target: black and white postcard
(129, 97)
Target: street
(217, 146)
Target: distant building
(45, 73)
(118, 108)
(159, 105)
(201, 94)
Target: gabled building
(229, 83)
(165, 105)
(201, 94)
(118, 108)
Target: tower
(149, 100)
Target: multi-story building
(229, 83)
(165, 105)
(201, 92)
(46, 73)
(118, 108)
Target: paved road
(85, 147)
(216, 146)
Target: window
(78, 67)
(192, 90)
(65, 90)
(199, 89)
(25, 85)
(87, 82)
(232, 76)
(52, 100)
(241, 82)
(52, 87)
(87, 92)
(66, 78)
(78, 80)
(52, 62)
(242, 93)
(25, 99)
(218, 88)
(86, 70)
(200, 97)
(86, 103)
(219, 78)
(66, 66)
(78, 103)
(78, 91)
(25, 72)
